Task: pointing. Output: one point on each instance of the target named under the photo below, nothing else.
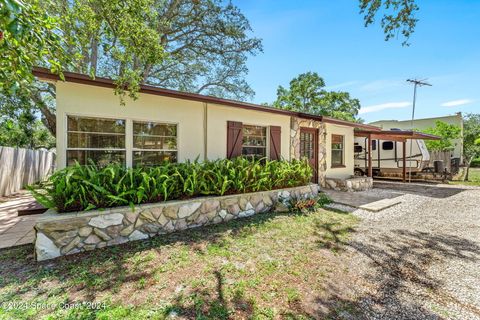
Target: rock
(131, 216)
(243, 203)
(188, 209)
(137, 235)
(92, 239)
(139, 223)
(210, 205)
(61, 225)
(114, 231)
(89, 247)
(117, 240)
(281, 207)
(71, 245)
(229, 217)
(284, 194)
(59, 235)
(101, 234)
(162, 220)
(148, 216)
(84, 231)
(150, 228)
(248, 206)
(181, 224)
(255, 199)
(202, 219)
(157, 211)
(106, 220)
(261, 207)
(217, 219)
(127, 231)
(229, 202)
(169, 227)
(210, 215)
(101, 245)
(246, 213)
(222, 213)
(233, 209)
(171, 212)
(45, 248)
(67, 237)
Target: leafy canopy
(471, 136)
(447, 132)
(307, 94)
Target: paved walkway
(372, 200)
(15, 230)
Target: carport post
(404, 169)
(370, 171)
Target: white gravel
(419, 259)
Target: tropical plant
(78, 187)
(447, 132)
(471, 140)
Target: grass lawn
(266, 266)
(474, 178)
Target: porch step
(380, 205)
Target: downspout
(205, 131)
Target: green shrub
(88, 187)
(475, 163)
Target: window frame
(100, 117)
(332, 165)
(128, 133)
(388, 142)
(133, 149)
(267, 138)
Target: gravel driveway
(419, 259)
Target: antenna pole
(416, 83)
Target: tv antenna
(416, 83)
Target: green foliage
(471, 136)
(307, 94)
(29, 37)
(475, 163)
(397, 16)
(447, 132)
(89, 187)
(309, 204)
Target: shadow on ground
(426, 190)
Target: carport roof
(395, 135)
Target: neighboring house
(178, 126)
(421, 124)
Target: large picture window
(337, 150)
(154, 143)
(254, 141)
(98, 139)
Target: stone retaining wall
(69, 233)
(351, 184)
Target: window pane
(252, 151)
(337, 139)
(96, 140)
(387, 145)
(254, 141)
(155, 129)
(337, 157)
(154, 142)
(100, 157)
(150, 158)
(95, 125)
(254, 130)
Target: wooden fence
(20, 167)
(445, 156)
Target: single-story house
(178, 126)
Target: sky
(329, 37)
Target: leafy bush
(309, 204)
(88, 187)
(475, 163)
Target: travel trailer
(387, 156)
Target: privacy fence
(20, 167)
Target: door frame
(315, 132)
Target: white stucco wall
(93, 101)
(347, 132)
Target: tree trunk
(49, 119)
(465, 177)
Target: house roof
(396, 135)
(44, 73)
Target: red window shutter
(275, 143)
(234, 139)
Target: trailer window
(374, 144)
(387, 145)
(357, 149)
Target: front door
(309, 149)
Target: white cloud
(456, 103)
(383, 106)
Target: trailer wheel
(358, 172)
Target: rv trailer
(387, 156)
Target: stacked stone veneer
(69, 233)
(295, 125)
(351, 184)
